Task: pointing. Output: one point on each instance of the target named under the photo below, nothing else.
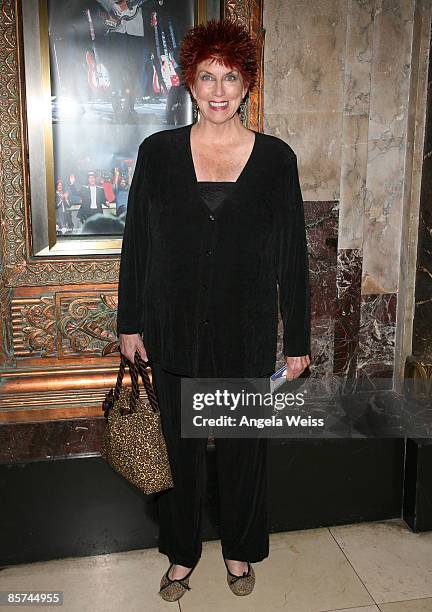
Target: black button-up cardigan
(186, 270)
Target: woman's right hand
(129, 344)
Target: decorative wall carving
(87, 324)
(34, 326)
(239, 10)
(65, 324)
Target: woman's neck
(222, 133)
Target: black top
(186, 272)
(214, 192)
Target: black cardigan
(186, 271)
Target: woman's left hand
(296, 365)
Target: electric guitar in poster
(129, 10)
(98, 76)
(169, 75)
(168, 65)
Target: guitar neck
(92, 34)
(131, 4)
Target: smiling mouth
(218, 105)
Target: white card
(278, 378)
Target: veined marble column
(419, 364)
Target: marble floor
(364, 567)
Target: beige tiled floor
(367, 567)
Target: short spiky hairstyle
(226, 42)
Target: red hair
(226, 42)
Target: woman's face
(218, 91)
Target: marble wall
(339, 77)
(422, 325)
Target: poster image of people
(115, 79)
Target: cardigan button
(209, 252)
(211, 218)
(206, 321)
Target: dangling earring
(195, 110)
(242, 111)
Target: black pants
(123, 56)
(242, 482)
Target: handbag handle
(151, 394)
(139, 367)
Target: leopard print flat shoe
(241, 585)
(173, 589)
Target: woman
(215, 221)
(63, 213)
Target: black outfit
(186, 271)
(63, 212)
(123, 55)
(69, 38)
(198, 274)
(151, 55)
(213, 194)
(85, 211)
(242, 509)
(242, 483)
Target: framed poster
(100, 76)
